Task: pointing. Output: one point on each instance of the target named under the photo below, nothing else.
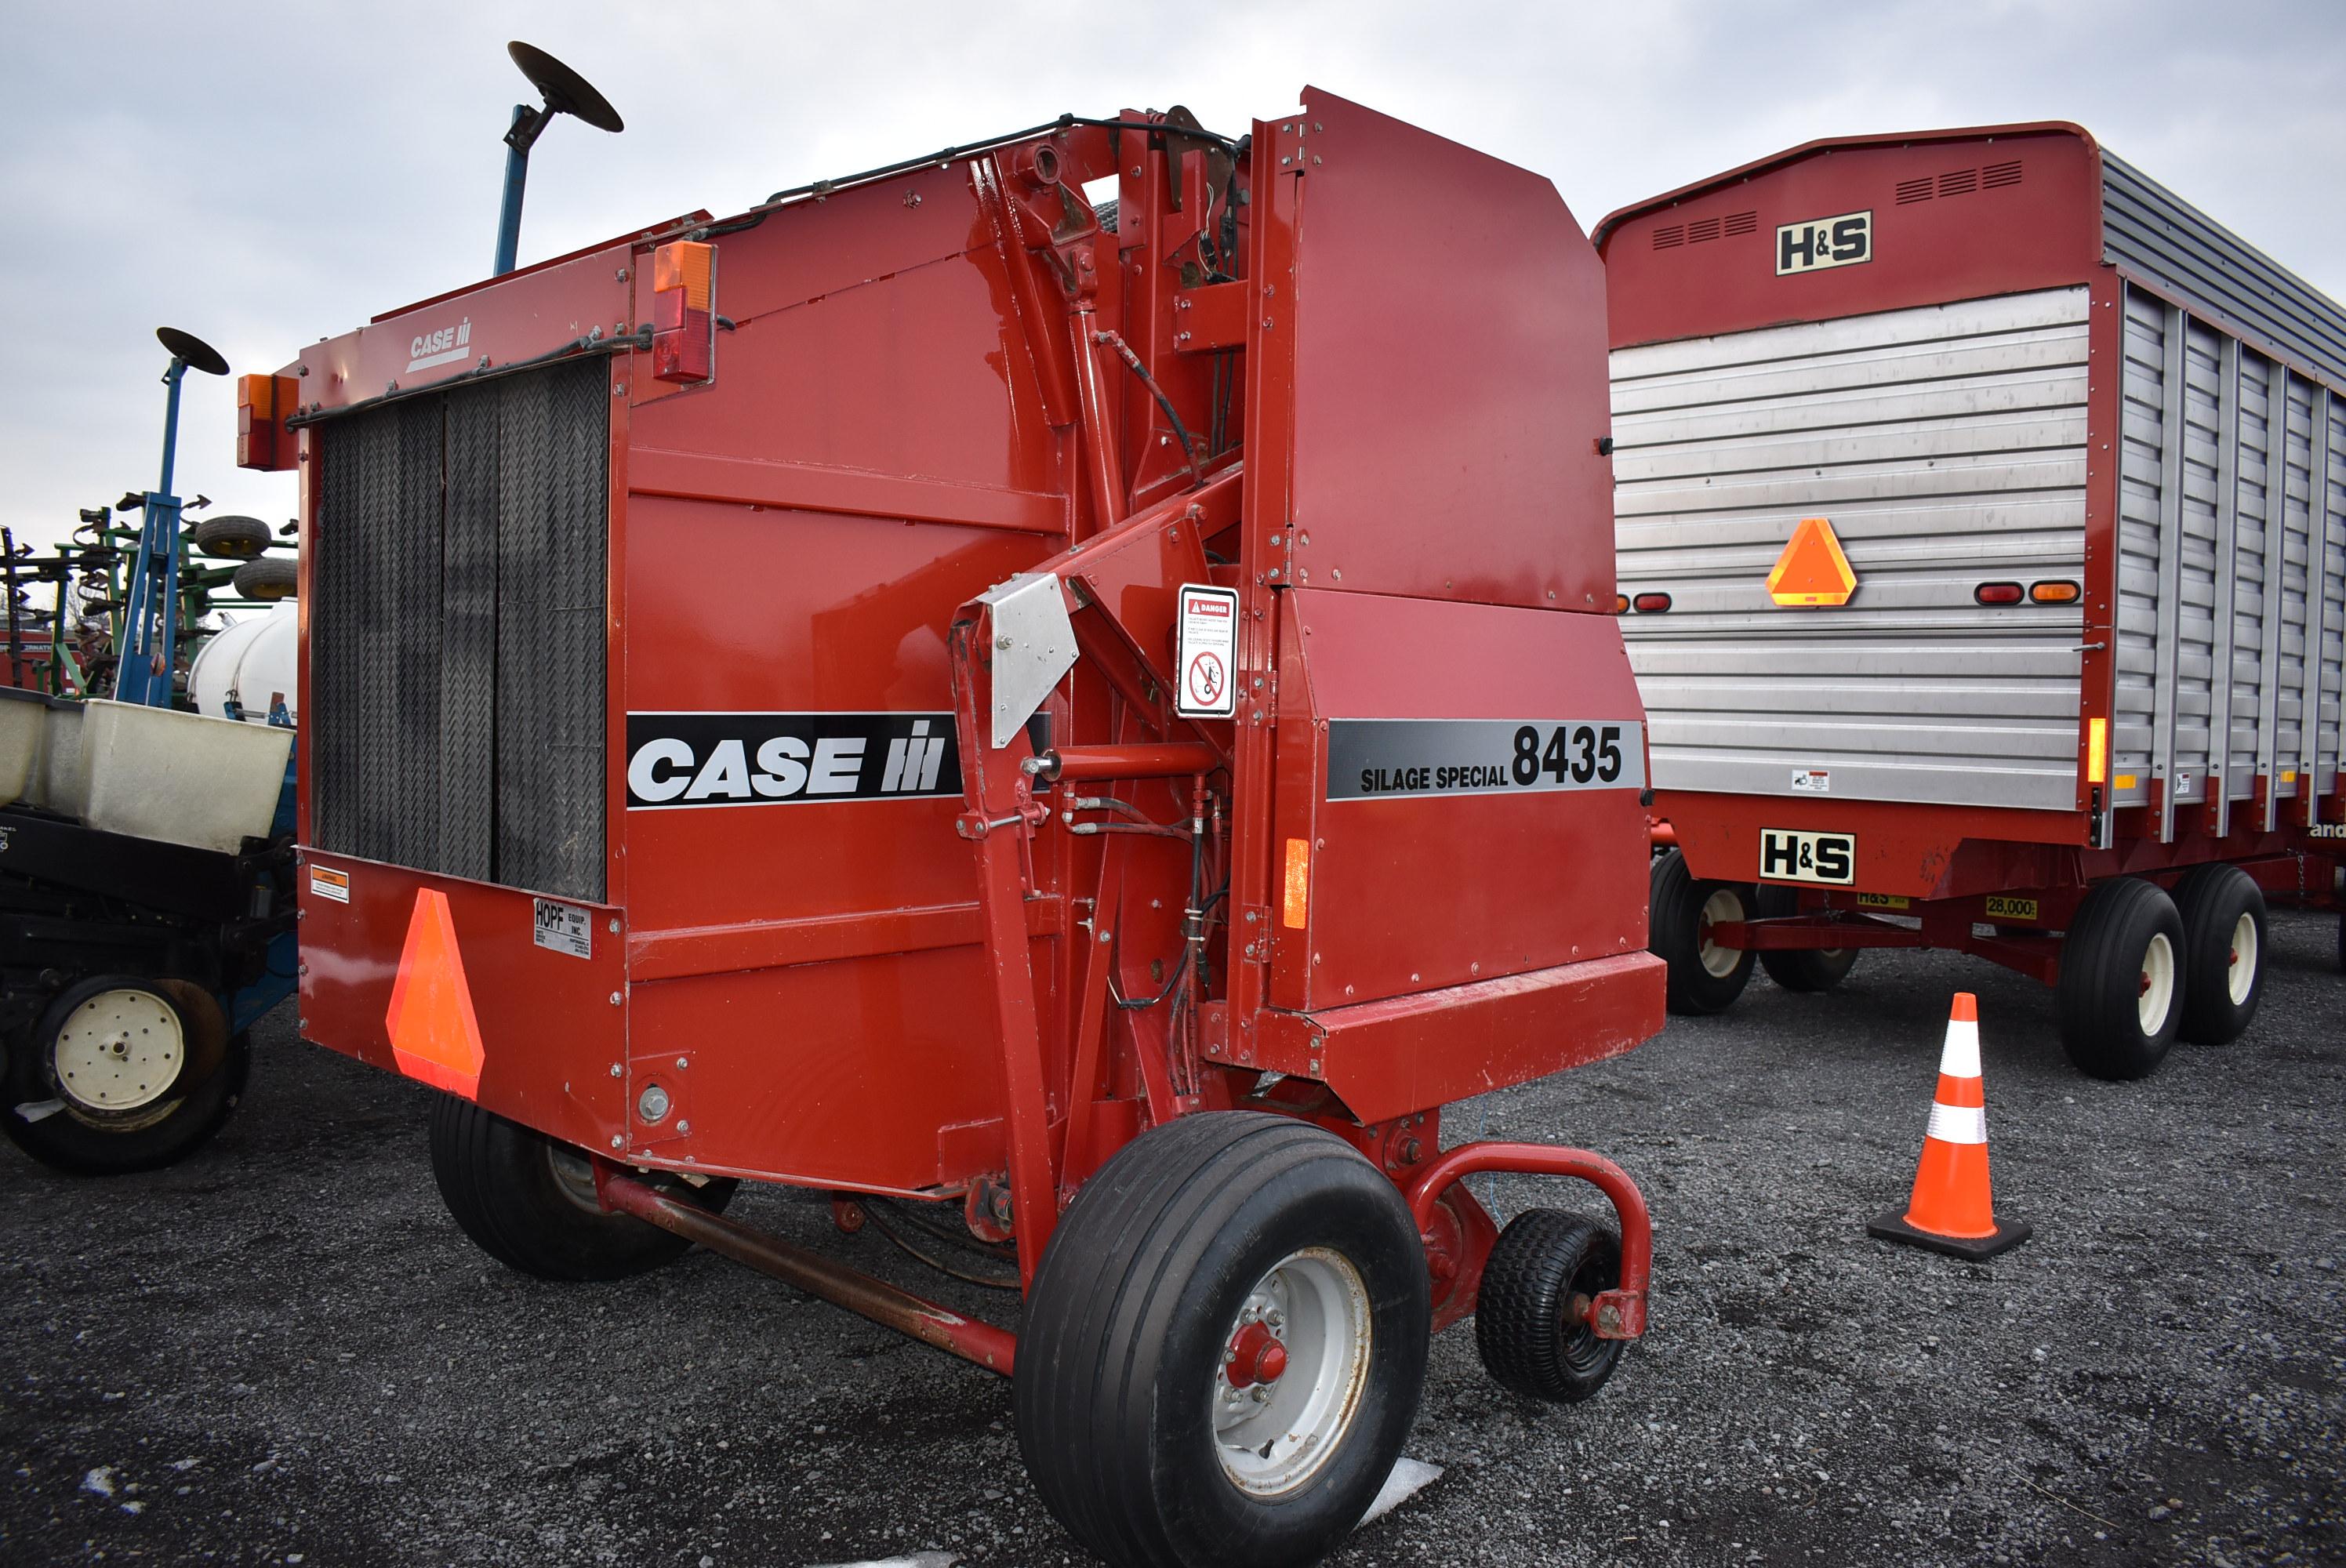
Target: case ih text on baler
(1094, 721)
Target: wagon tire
(1531, 1315)
(268, 578)
(1702, 978)
(529, 1200)
(232, 538)
(2224, 944)
(1805, 970)
(127, 1125)
(1137, 1419)
(2122, 984)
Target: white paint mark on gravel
(1409, 1477)
(99, 1480)
(917, 1559)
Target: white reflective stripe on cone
(1961, 1057)
(1958, 1124)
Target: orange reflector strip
(1813, 570)
(434, 1037)
(683, 264)
(1298, 899)
(2097, 749)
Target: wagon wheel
(123, 1074)
(1801, 969)
(2122, 983)
(1703, 976)
(1224, 1347)
(2223, 913)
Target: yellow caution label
(1883, 902)
(2001, 907)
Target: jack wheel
(1224, 1347)
(1806, 970)
(2223, 912)
(123, 1074)
(1702, 976)
(1532, 1318)
(529, 1200)
(2122, 985)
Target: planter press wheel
(1224, 1346)
(529, 1200)
(2122, 984)
(1703, 977)
(123, 1074)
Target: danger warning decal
(677, 759)
(1371, 759)
(1209, 650)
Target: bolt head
(653, 1104)
(616, 1070)
(615, 1142)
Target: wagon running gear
(1951, 1210)
(2122, 981)
(1801, 969)
(1704, 977)
(2223, 912)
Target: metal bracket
(1033, 647)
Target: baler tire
(2113, 972)
(1676, 904)
(1809, 971)
(1125, 1400)
(82, 1140)
(232, 538)
(2224, 944)
(528, 1200)
(1541, 1262)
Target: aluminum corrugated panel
(1947, 445)
(2148, 230)
(456, 632)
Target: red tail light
(1997, 593)
(684, 311)
(1651, 603)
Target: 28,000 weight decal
(1375, 758)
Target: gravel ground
(283, 1351)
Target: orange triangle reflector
(433, 1035)
(1813, 570)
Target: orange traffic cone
(1952, 1211)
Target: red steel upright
(945, 690)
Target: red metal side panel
(1445, 437)
(1706, 262)
(551, 1032)
(1410, 892)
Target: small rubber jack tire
(83, 1143)
(1676, 903)
(2112, 944)
(1805, 970)
(526, 1200)
(1540, 1264)
(2220, 904)
(1130, 1318)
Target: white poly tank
(249, 664)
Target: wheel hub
(119, 1051)
(1256, 1356)
(1294, 1369)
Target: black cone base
(1891, 1225)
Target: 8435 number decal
(1373, 758)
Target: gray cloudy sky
(266, 176)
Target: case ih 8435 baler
(1982, 535)
(1099, 721)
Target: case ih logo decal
(1820, 242)
(677, 760)
(438, 348)
(1371, 758)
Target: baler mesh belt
(456, 633)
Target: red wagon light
(1997, 593)
(684, 313)
(1651, 603)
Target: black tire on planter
(86, 1131)
(1127, 1418)
(1802, 969)
(1676, 903)
(2125, 944)
(529, 1200)
(2223, 945)
(232, 538)
(1531, 1315)
(269, 577)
